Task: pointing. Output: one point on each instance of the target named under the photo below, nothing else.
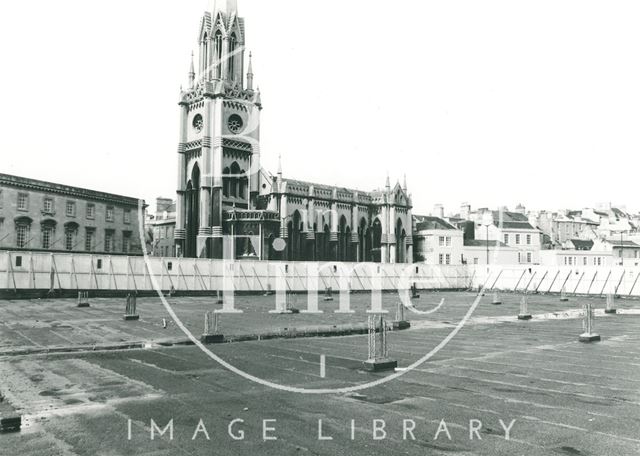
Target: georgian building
(437, 241)
(37, 215)
(223, 191)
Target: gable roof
(424, 222)
(510, 216)
(514, 225)
(581, 244)
(619, 243)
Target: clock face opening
(235, 123)
(198, 123)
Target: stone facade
(38, 215)
(222, 189)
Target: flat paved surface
(44, 323)
(566, 397)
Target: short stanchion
(524, 309)
(588, 334)
(219, 297)
(400, 322)
(563, 295)
(610, 306)
(211, 329)
(378, 359)
(328, 294)
(287, 306)
(83, 299)
(268, 291)
(414, 291)
(496, 299)
(130, 312)
(291, 304)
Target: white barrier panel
(44, 271)
(544, 279)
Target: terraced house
(512, 229)
(37, 215)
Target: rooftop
(514, 225)
(78, 192)
(483, 243)
(619, 243)
(510, 216)
(432, 223)
(581, 244)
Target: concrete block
(586, 337)
(212, 339)
(379, 365)
(10, 424)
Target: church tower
(218, 151)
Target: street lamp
(621, 250)
(487, 220)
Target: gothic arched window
(225, 182)
(235, 179)
(204, 57)
(233, 41)
(218, 56)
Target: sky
(490, 102)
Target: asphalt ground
(43, 324)
(566, 397)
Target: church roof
(302, 188)
(315, 185)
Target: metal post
(588, 334)
(610, 307)
(400, 311)
(563, 295)
(131, 313)
(524, 309)
(212, 328)
(328, 294)
(83, 299)
(371, 337)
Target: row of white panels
(41, 271)
(37, 271)
(544, 279)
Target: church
(223, 192)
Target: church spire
(280, 166)
(192, 73)
(388, 184)
(227, 7)
(250, 74)
(404, 184)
